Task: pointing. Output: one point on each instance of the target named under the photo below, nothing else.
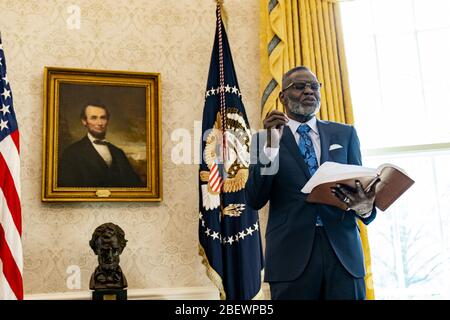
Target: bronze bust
(108, 242)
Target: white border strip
(181, 293)
(186, 293)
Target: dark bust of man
(108, 242)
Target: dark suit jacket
(82, 166)
(291, 225)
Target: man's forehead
(108, 242)
(302, 75)
(95, 109)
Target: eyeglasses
(300, 86)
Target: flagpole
(221, 82)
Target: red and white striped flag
(11, 259)
(215, 180)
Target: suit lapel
(288, 140)
(324, 136)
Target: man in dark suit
(313, 251)
(93, 161)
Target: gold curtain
(309, 33)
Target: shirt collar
(312, 123)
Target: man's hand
(356, 199)
(274, 123)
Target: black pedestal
(111, 294)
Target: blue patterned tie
(309, 155)
(307, 149)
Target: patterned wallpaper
(172, 37)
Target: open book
(394, 182)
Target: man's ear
(281, 96)
(84, 122)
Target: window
(397, 55)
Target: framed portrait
(101, 136)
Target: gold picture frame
(101, 136)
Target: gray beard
(298, 109)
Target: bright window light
(398, 62)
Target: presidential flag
(229, 235)
(11, 260)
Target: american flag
(11, 259)
(215, 180)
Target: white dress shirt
(102, 150)
(293, 125)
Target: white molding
(183, 293)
